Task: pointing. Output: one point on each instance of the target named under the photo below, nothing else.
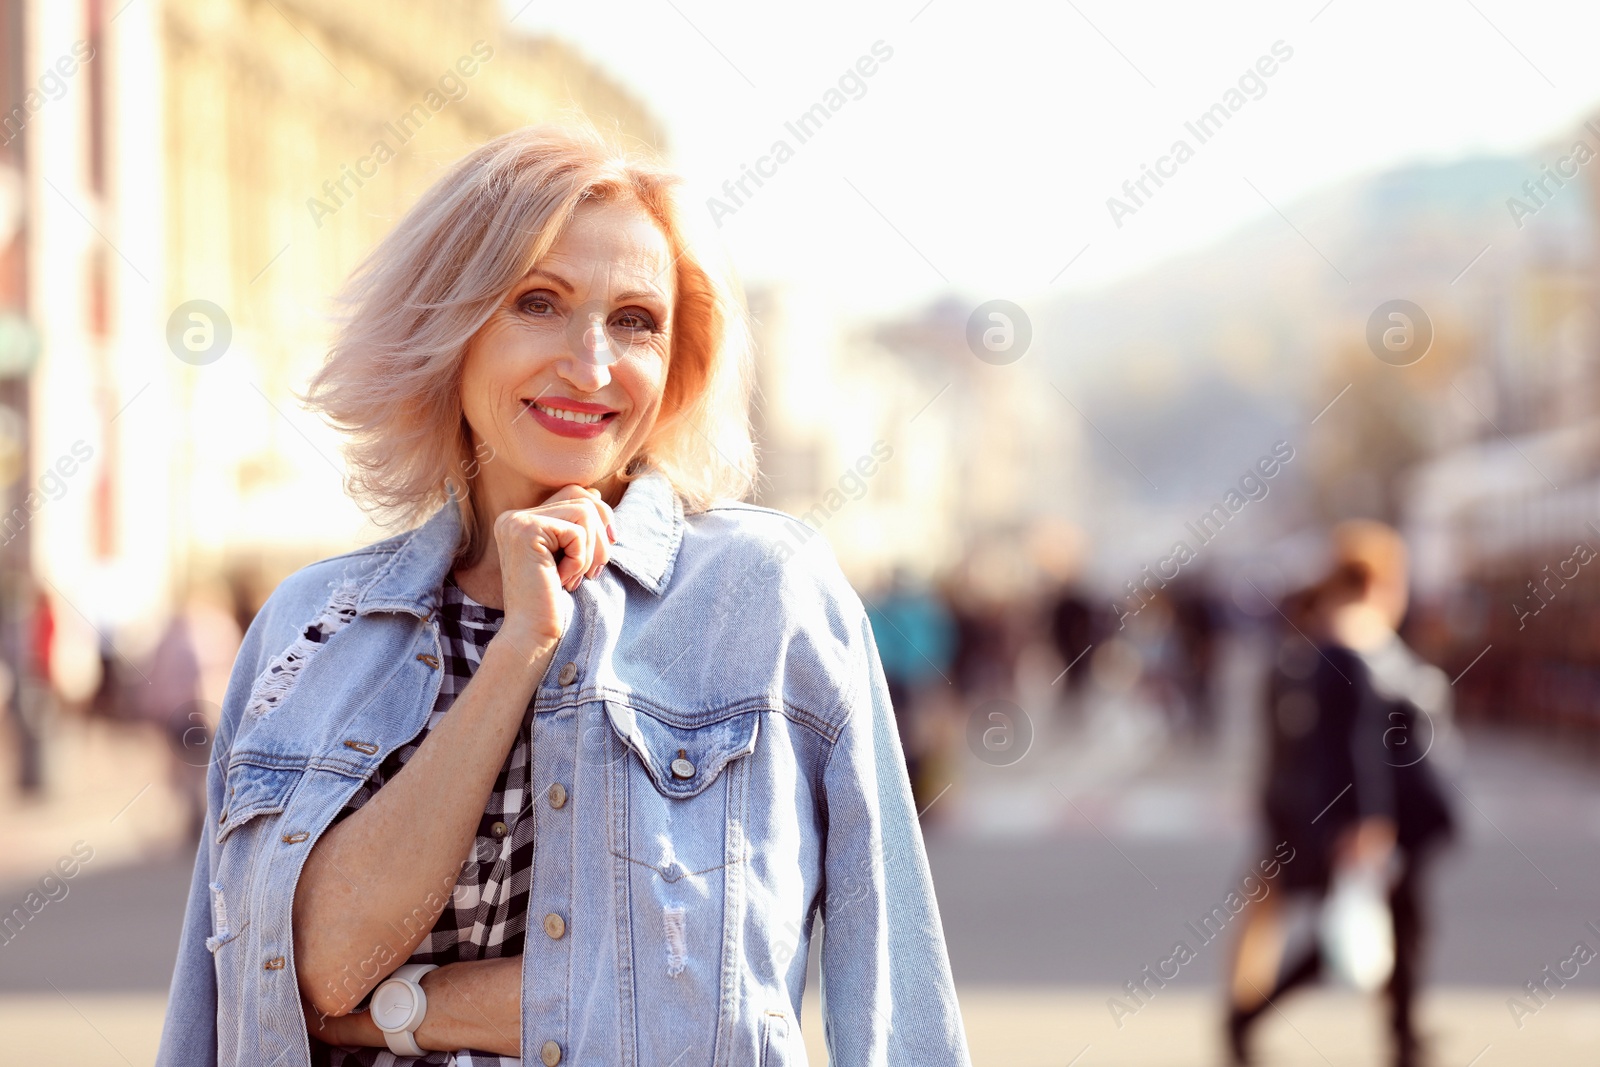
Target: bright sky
(980, 155)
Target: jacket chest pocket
(679, 787)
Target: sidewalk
(1005, 1028)
(105, 785)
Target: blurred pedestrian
(986, 641)
(187, 677)
(1352, 716)
(1072, 625)
(916, 640)
(1197, 626)
(1152, 633)
(28, 692)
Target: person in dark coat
(1352, 718)
(1073, 629)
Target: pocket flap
(254, 790)
(683, 760)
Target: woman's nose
(588, 365)
(593, 344)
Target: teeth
(570, 416)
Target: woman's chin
(586, 473)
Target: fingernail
(610, 532)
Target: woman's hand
(1368, 843)
(356, 1030)
(572, 525)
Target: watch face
(392, 1005)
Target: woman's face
(586, 333)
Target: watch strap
(403, 1043)
(413, 972)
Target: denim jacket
(717, 714)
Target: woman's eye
(633, 321)
(536, 304)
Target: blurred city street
(1136, 366)
(1059, 878)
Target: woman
(1355, 724)
(594, 742)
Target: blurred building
(839, 448)
(900, 446)
(1506, 521)
(200, 177)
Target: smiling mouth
(579, 417)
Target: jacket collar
(649, 530)
(649, 525)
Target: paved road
(1063, 911)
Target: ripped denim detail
(220, 933)
(278, 680)
(677, 948)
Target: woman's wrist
(355, 1030)
(528, 655)
(475, 1004)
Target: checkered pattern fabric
(487, 916)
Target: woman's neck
(481, 581)
(1360, 626)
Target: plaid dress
(487, 916)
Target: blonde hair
(392, 378)
(1369, 562)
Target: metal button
(499, 829)
(555, 925)
(550, 1054)
(681, 767)
(569, 673)
(558, 795)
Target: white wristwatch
(398, 1006)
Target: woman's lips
(568, 427)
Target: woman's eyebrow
(566, 286)
(641, 294)
(561, 283)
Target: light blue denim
(728, 638)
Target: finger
(572, 540)
(602, 518)
(608, 515)
(586, 511)
(561, 538)
(599, 498)
(580, 512)
(570, 491)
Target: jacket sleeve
(888, 998)
(189, 1033)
